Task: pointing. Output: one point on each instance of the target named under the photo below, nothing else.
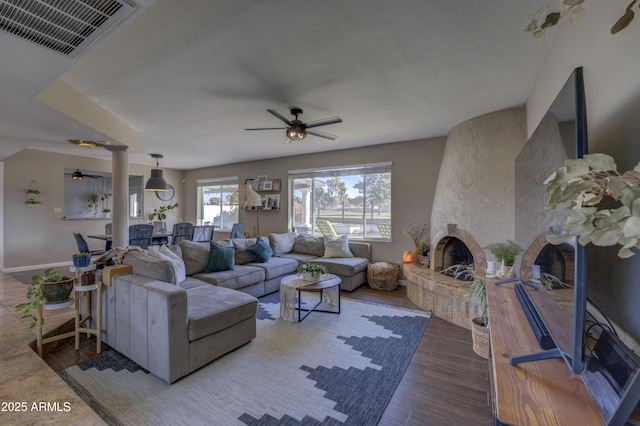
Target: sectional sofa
(186, 305)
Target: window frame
(229, 181)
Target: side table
(51, 307)
(84, 292)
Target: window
(214, 200)
(353, 200)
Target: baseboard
(33, 267)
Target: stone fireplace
(558, 261)
(455, 246)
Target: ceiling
(190, 76)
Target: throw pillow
(195, 255)
(177, 263)
(308, 244)
(220, 258)
(282, 243)
(261, 250)
(337, 246)
(241, 245)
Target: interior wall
(414, 176)
(41, 236)
(612, 91)
(476, 183)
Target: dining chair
(182, 231)
(203, 233)
(236, 230)
(158, 228)
(140, 235)
(83, 247)
(108, 230)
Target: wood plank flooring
(445, 384)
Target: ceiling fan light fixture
(156, 182)
(77, 175)
(296, 133)
(86, 143)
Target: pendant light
(156, 182)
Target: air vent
(65, 26)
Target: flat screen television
(610, 372)
(561, 135)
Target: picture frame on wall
(267, 185)
(271, 202)
(276, 183)
(253, 183)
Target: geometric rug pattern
(327, 370)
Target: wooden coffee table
(330, 281)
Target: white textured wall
(476, 182)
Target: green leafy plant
(35, 295)
(586, 182)
(32, 191)
(161, 212)
(423, 248)
(478, 285)
(313, 268)
(546, 17)
(505, 251)
(32, 201)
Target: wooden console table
(532, 393)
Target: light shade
(247, 197)
(156, 182)
(296, 133)
(77, 175)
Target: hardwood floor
(445, 384)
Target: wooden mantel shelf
(532, 393)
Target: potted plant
(584, 183)
(81, 260)
(422, 258)
(93, 203)
(479, 324)
(50, 287)
(416, 233)
(505, 253)
(312, 271)
(161, 212)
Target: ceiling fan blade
(267, 128)
(323, 122)
(321, 134)
(280, 116)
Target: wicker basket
(480, 336)
(383, 275)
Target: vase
(310, 276)
(81, 260)
(422, 261)
(56, 292)
(480, 337)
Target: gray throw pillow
(308, 244)
(282, 243)
(241, 245)
(337, 246)
(195, 255)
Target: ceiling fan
(78, 175)
(297, 129)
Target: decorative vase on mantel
(423, 261)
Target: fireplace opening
(557, 261)
(453, 251)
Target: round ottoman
(383, 275)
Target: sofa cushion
(220, 258)
(211, 309)
(150, 266)
(308, 244)
(242, 276)
(346, 266)
(336, 246)
(241, 245)
(195, 255)
(163, 253)
(282, 243)
(277, 267)
(261, 250)
(299, 257)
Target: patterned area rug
(327, 370)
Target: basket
(383, 275)
(480, 337)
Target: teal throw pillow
(261, 250)
(220, 258)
